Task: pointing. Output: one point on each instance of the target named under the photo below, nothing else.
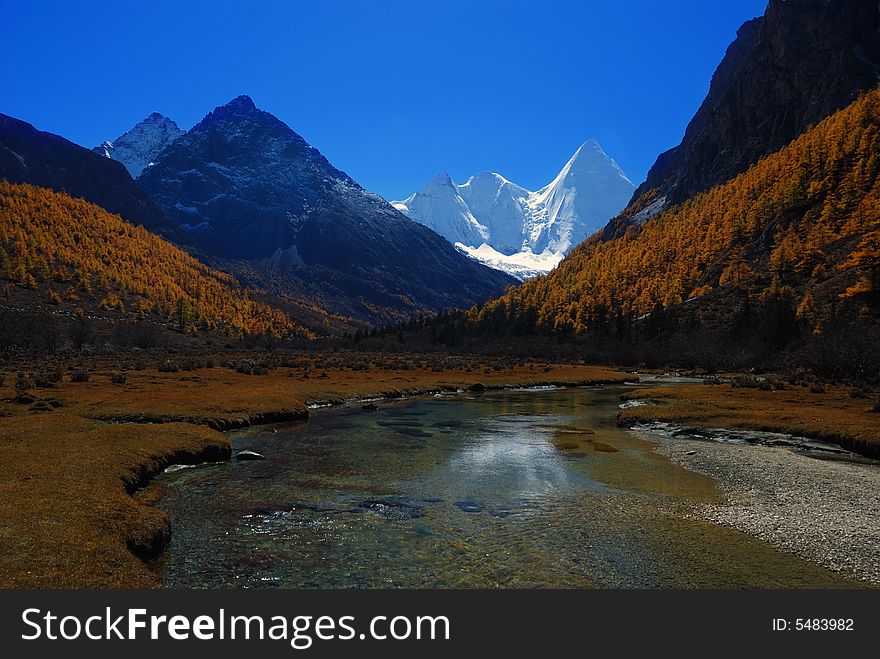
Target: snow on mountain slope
(440, 207)
(497, 203)
(522, 265)
(510, 228)
(589, 191)
(138, 147)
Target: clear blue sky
(391, 91)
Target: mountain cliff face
(251, 190)
(28, 155)
(138, 147)
(522, 232)
(786, 71)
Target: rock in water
(249, 455)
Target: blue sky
(391, 91)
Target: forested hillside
(78, 255)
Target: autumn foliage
(803, 219)
(78, 252)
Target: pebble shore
(827, 511)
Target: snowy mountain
(250, 189)
(138, 147)
(522, 232)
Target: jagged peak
(242, 103)
(442, 178)
(588, 155)
(157, 119)
(240, 107)
(590, 147)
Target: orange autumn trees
(75, 251)
(806, 216)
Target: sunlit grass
(67, 519)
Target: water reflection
(506, 462)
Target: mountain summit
(252, 190)
(522, 232)
(138, 147)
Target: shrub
(168, 366)
(117, 377)
(22, 383)
(79, 376)
(250, 367)
(746, 382)
(771, 383)
(47, 379)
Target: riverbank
(831, 414)
(824, 510)
(827, 511)
(74, 452)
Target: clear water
(513, 489)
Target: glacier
(522, 232)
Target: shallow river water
(506, 489)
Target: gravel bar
(824, 510)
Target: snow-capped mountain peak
(588, 191)
(590, 159)
(440, 207)
(517, 230)
(442, 180)
(138, 147)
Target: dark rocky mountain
(786, 71)
(253, 192)
(28, 155)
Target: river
(511, 489)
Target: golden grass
(221, 393)
(832, 416)
(67, 519)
